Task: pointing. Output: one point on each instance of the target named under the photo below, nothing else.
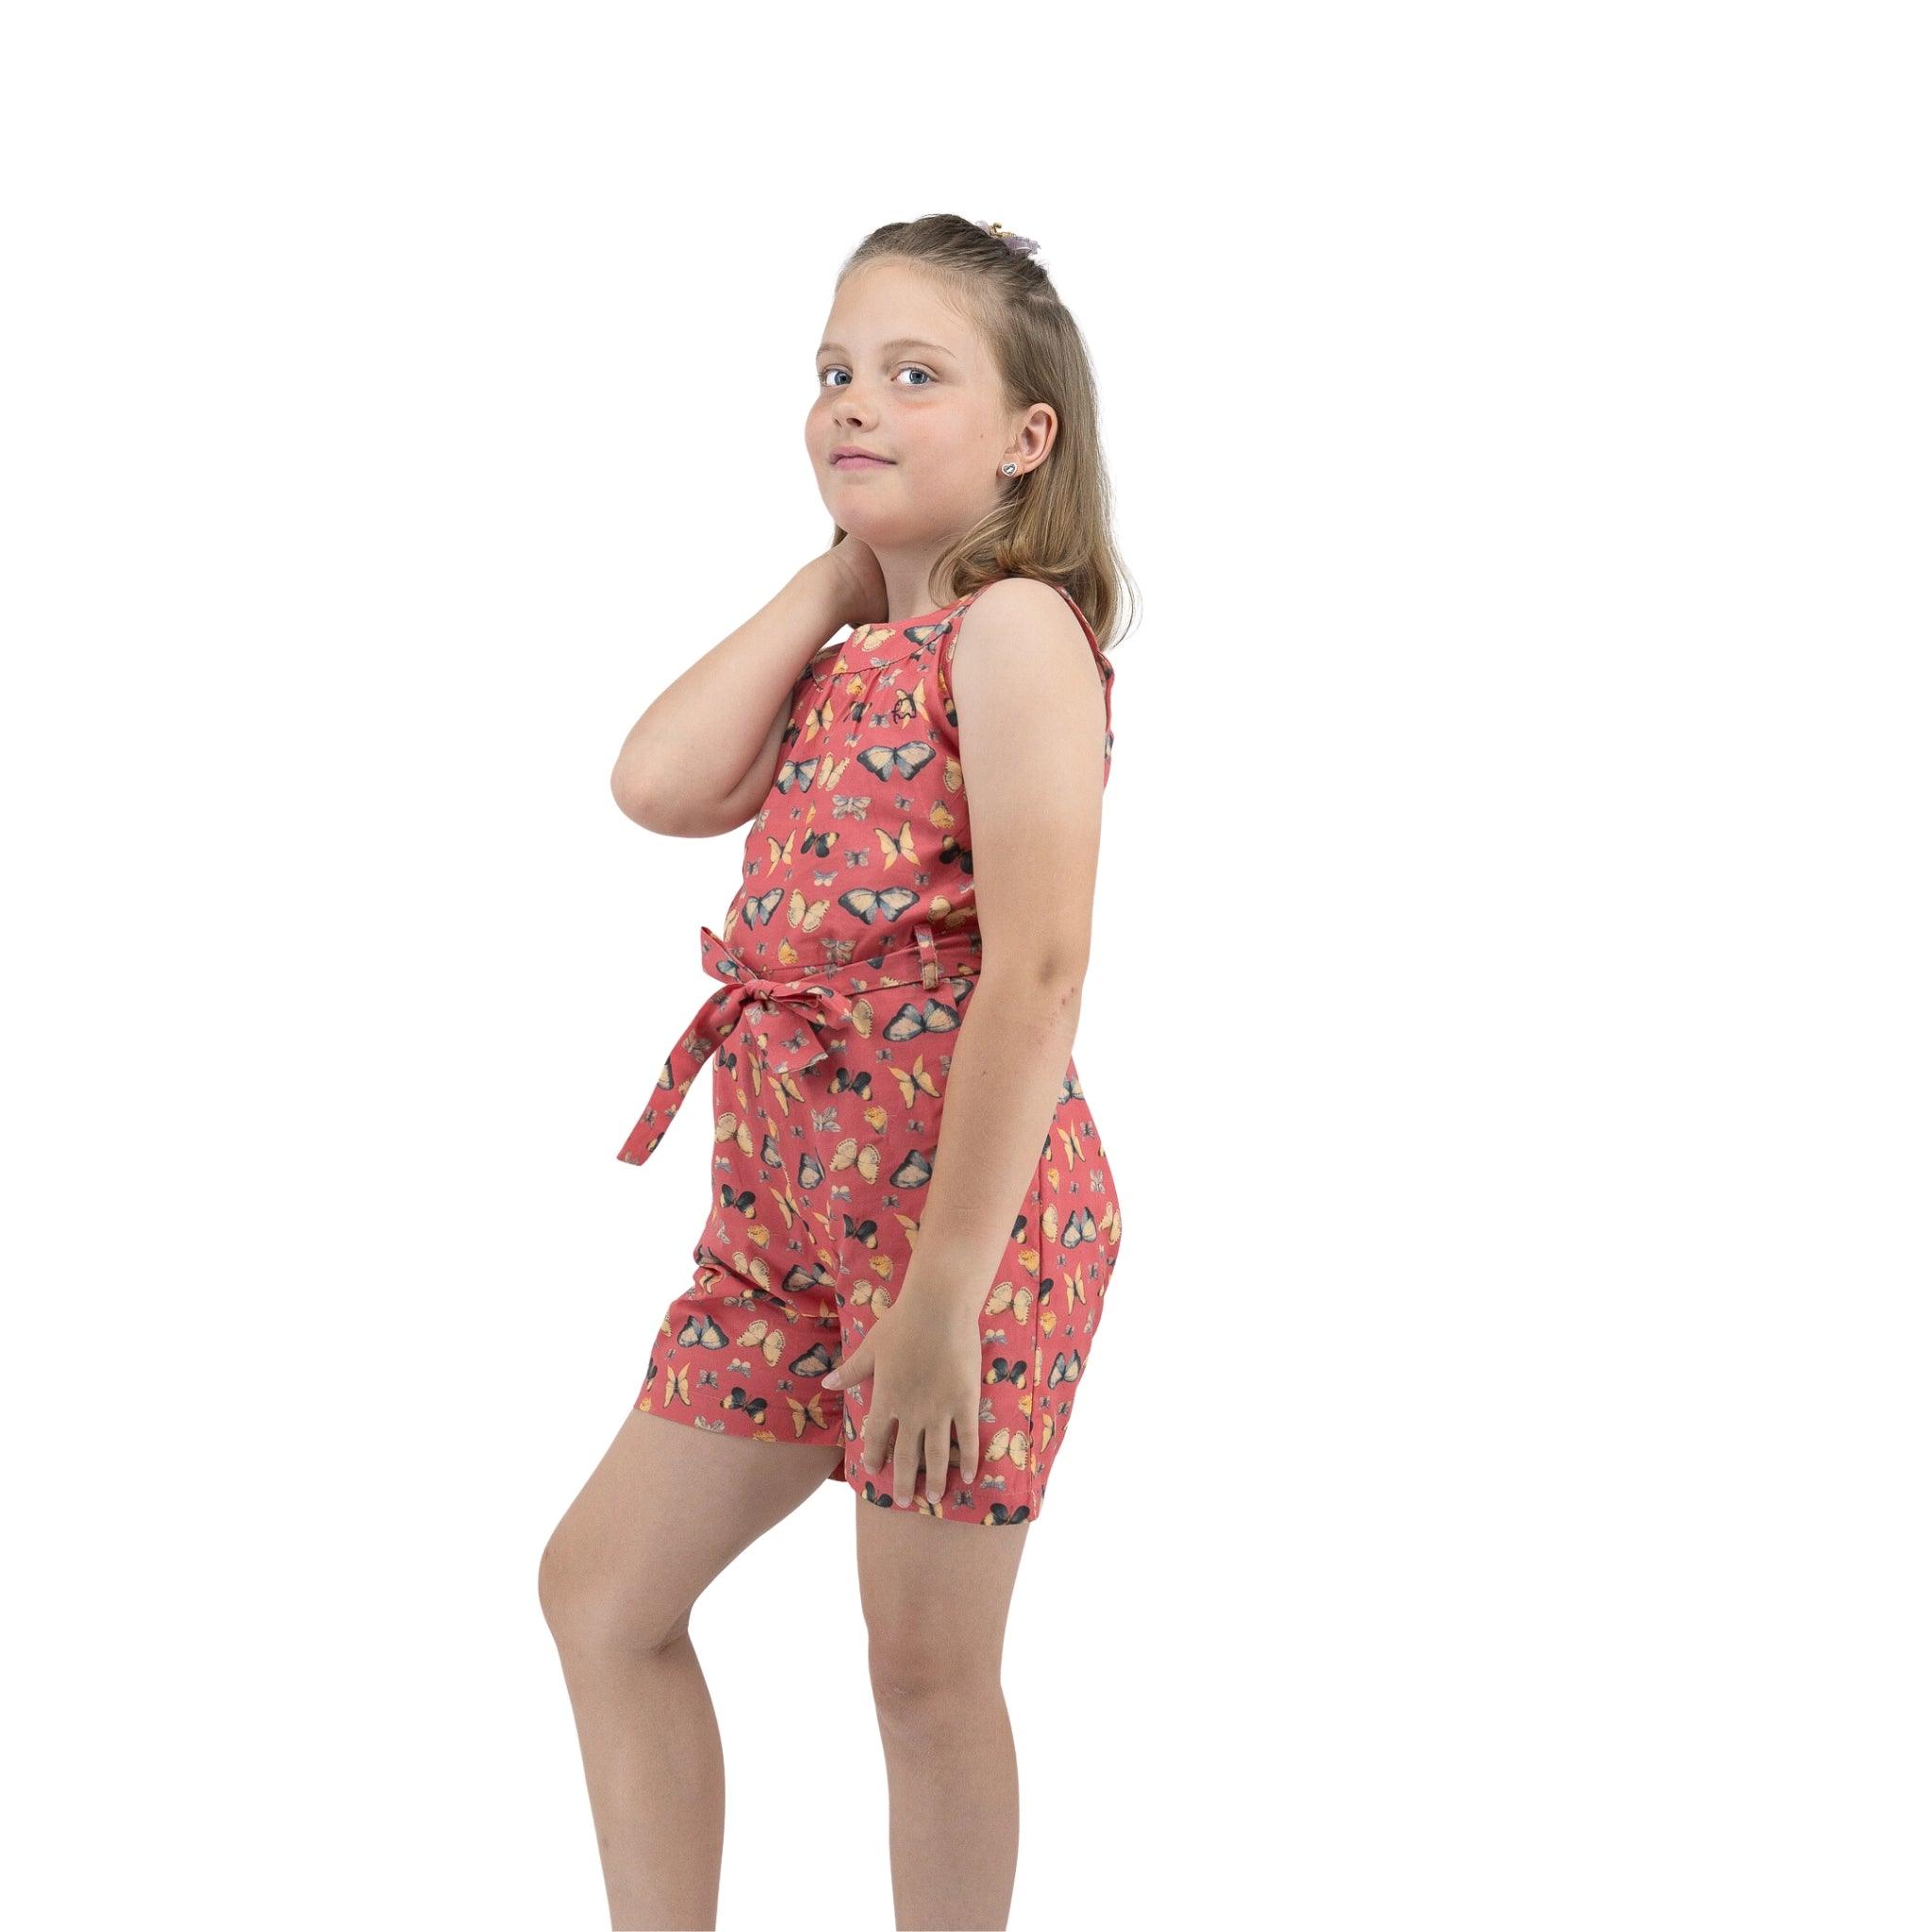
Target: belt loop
(929, 957)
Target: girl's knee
(914, 1670)
(592, 1602)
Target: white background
(1499, 1497)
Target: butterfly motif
(908, 760)
(1080, 1227)
(911, 1020)
(891, 904)
(848, 1153)
(767, 1338)
(901, 847)
(1005, 1295)
(810, 1411)
(700, 1331)
(915, 1171)
(874, 1295)
(806, 914)
(753, 1266)
(816, 1363)
(915, 1081)
(754, 1406)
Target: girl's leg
(935, 1594)
(663, 1512)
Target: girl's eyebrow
(887, 348)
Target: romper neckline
(897, 639)
(866, 646)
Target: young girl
(912, 1225)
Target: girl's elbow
(641, 801)
(637, 798)
(668, 809)
(1041, 969)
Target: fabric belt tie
(748, 997)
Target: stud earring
(1008, 470)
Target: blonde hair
(1055, 521)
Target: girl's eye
(832, 369)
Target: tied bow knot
(816, 1007)
(750, 995)
(748, 998)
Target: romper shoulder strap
(1106, 676)
(1082, 616)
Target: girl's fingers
(873, 1434)
(905, 1463)
(939, 1457)
(938, 1470)
(911, 1445)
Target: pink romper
(849, 954)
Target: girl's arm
(1032, 735)
(1032, 730)
(701, 758)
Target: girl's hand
(923, 1357)
(861, 582)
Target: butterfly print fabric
(849, 954)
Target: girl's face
(905, 376)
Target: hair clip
(1018, 244)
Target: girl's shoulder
(958, 610)
(950, 642)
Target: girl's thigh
(665, 1509)
(935, 1592)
